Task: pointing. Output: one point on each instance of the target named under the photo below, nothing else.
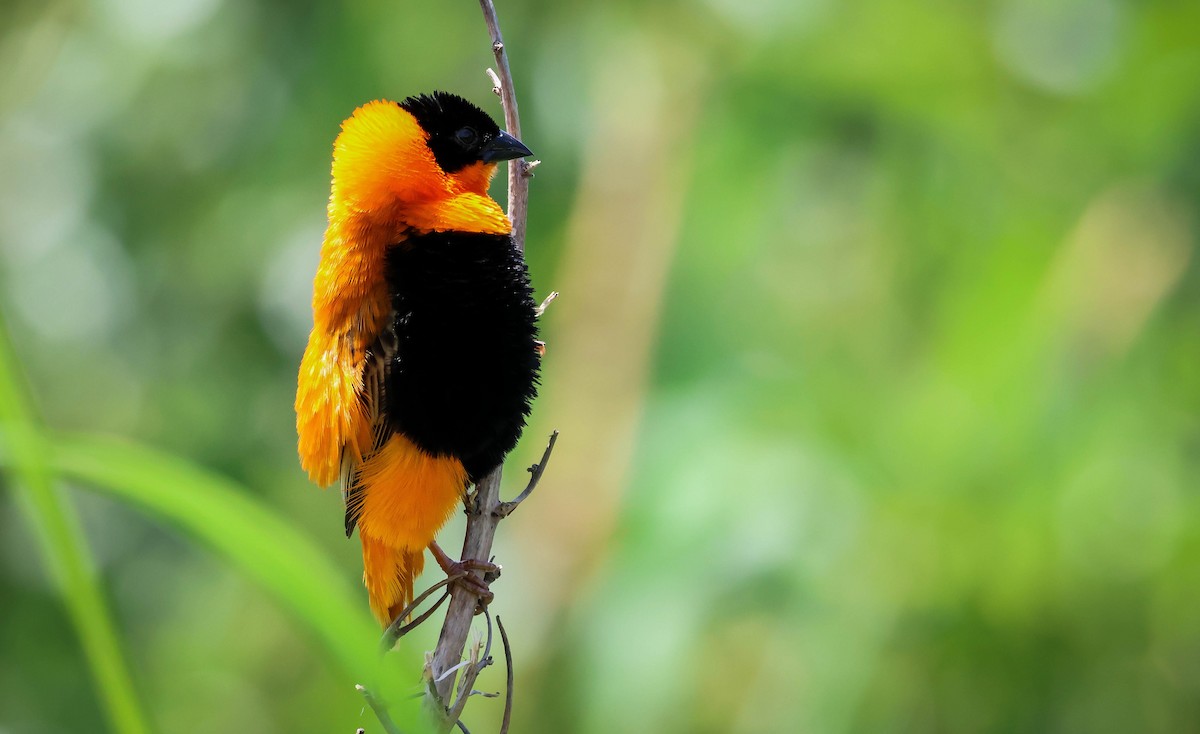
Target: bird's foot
(475, 584)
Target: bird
(422, 363)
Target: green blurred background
(877, 363)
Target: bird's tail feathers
(389, 574)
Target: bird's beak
(503, 147)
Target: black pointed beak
(503, 147)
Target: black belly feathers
(457, 368)
(465, 366)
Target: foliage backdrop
(876, 362)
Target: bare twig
(380, 710)
(467, 681)
(518, 187)
(508, 666)
(506, 508)
(546, 302)
(482, 504)
(451, 671)
(387, 643)
(399, 628)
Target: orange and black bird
(422, 362)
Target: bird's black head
(460, 133)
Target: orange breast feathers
(386, 183)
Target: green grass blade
(65, 549)
(220, 514)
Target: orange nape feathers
(407, 496)
(386, 185)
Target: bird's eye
(466, 137)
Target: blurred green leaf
(253, 539)
(65, 550)
(221, 515)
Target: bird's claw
(467, 580)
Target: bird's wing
(377, 366)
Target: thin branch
(486, 660)
(548, 300)
(506, 508)
(482, 504)
(380, 710)
(449, 672)
(518, 185)
(416, 622)
(467, 682)
(508, 666)
(399, 628)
